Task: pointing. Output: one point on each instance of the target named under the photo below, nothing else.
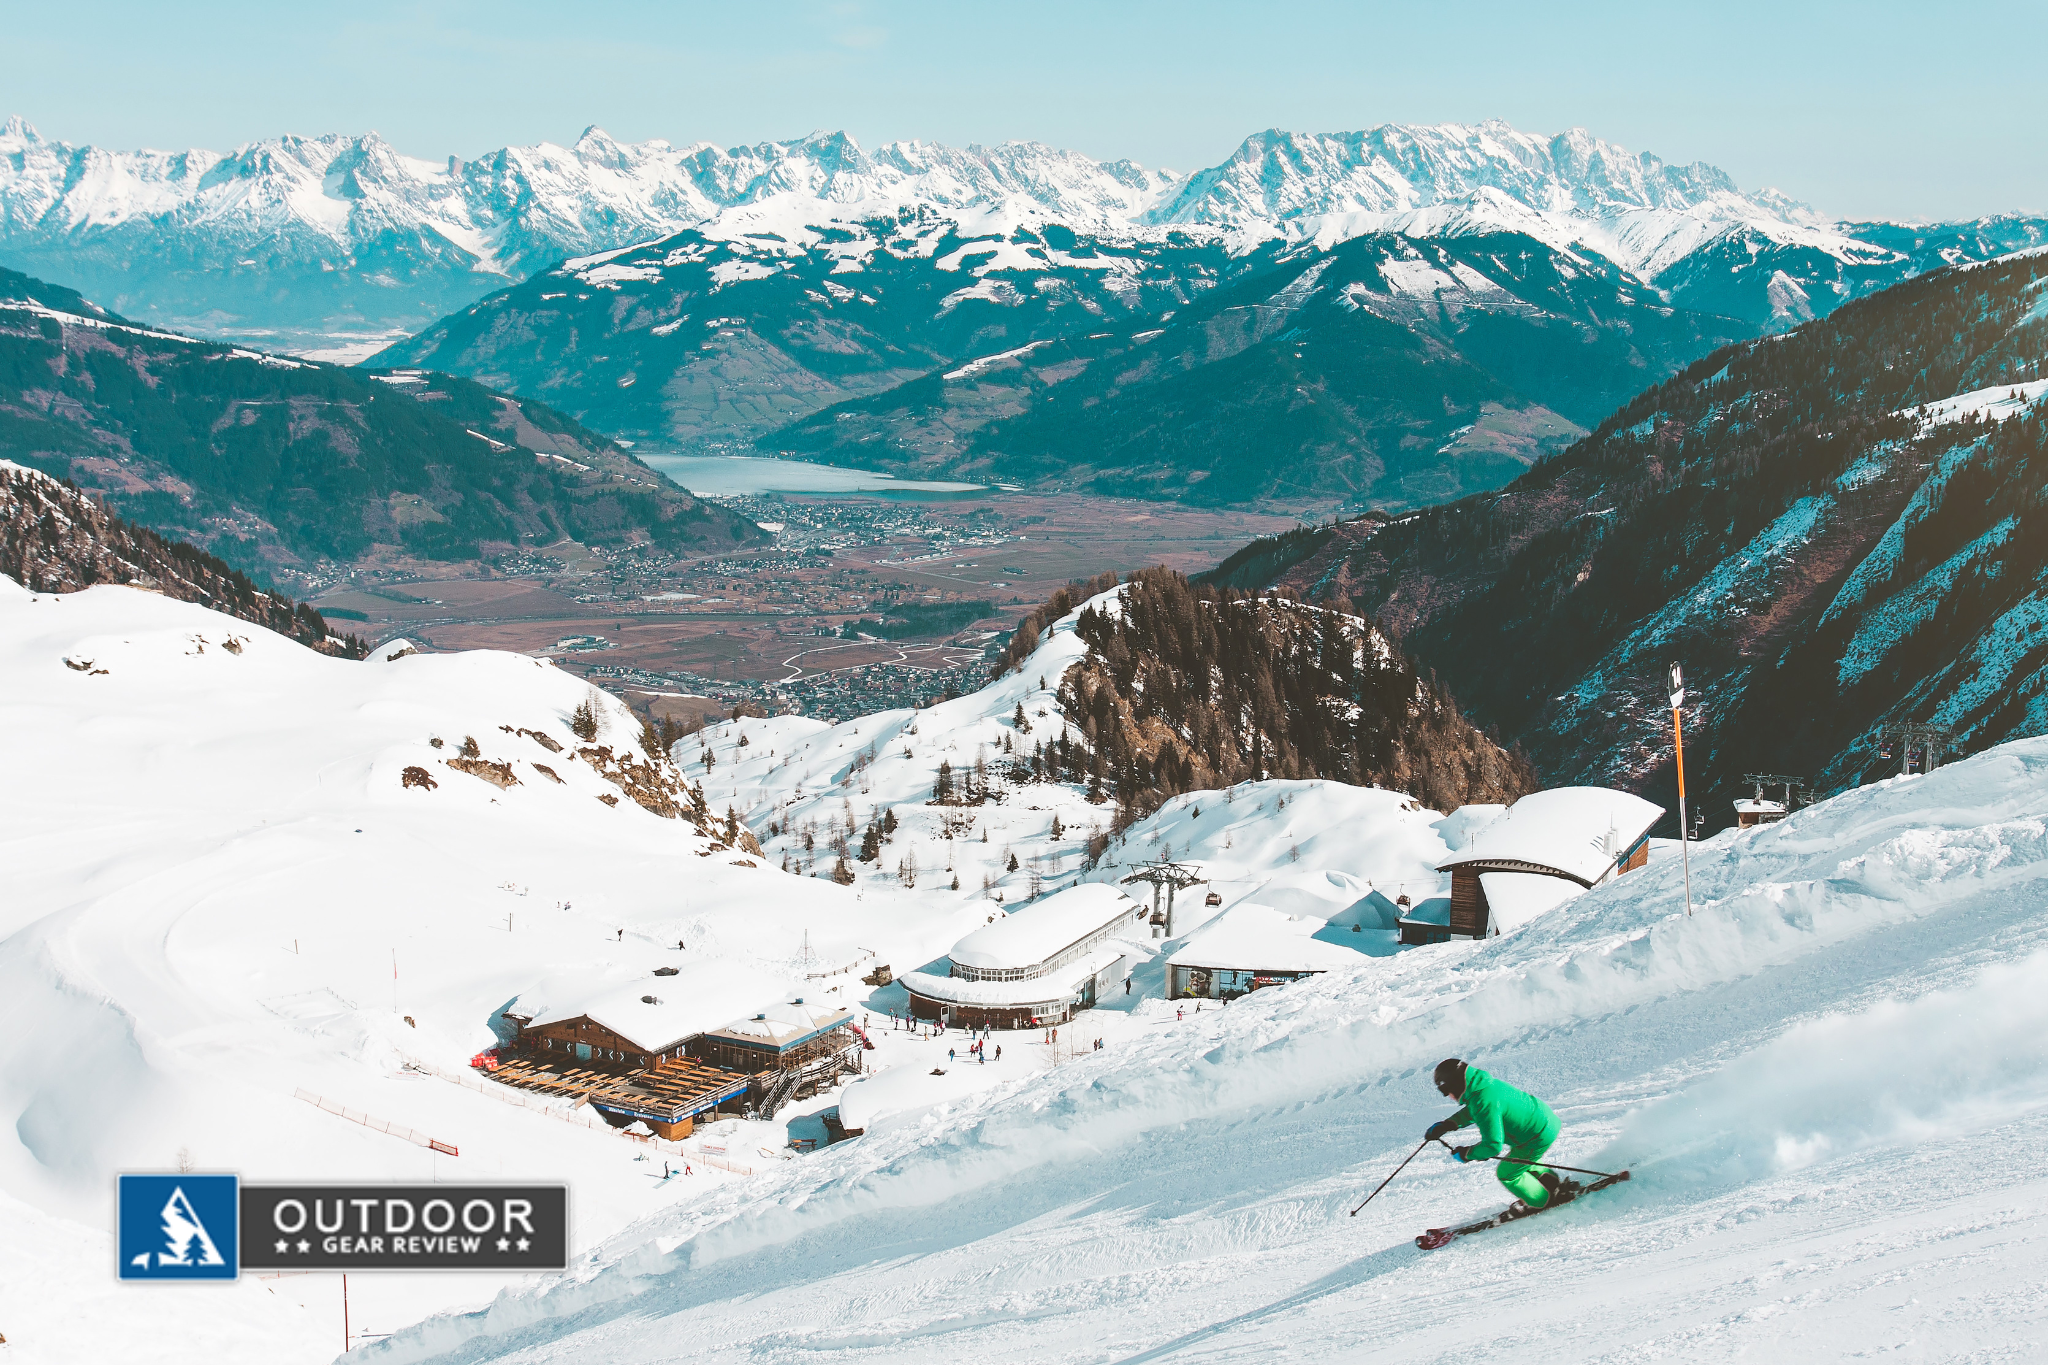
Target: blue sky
(1866, 110)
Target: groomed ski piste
(1828, 1080)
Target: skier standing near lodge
(1509, 1120)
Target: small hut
(1543, 850)
(1751, 811)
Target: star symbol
(504, 1245)
(523, 1244)
(283, 1246)
(304, 1246)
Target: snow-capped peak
(1453, 179)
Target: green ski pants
(1517, 1170)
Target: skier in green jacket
(1509, 1120)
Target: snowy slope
(1820, 1080)
(1806, 1075)
(214, 869)
(792, 778)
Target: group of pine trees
(55, 538)
(1188, 686)
(1025, 638)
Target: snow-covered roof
(785, 1023)
(908, 1089)
(1056, 987)
(1259, 938)
(1040, 930)
(1751, 806)
(1573, 832)
(1324, 894)
(1515, 898)
(1463, 825)
(1434, 911)
(701, 997)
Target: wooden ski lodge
(664, 1050)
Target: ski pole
(1397, 1170)
(1546, 1165)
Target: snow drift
(237, 870)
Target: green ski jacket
(1507, 1117)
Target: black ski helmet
(1450, 1078)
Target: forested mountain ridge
(1383, 369)
(705, 341)
(1832, 529)
(1187, 688)
(276, 463)
(55, 539)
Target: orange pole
(1684, 842)
(1678, 747)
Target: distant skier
(1509, 1120)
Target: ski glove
(1461, 1153)
(1437, 1130)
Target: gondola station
(1036, 966)
(1537, 854)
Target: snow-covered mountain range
(327, 243)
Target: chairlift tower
(1760, 809)
(1796, 789)
(1168, 875)
(1933, 742)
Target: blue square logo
(179, 1227)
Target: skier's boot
(1551, 1182)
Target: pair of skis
(1567, 1190)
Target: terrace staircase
(777, 1094)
